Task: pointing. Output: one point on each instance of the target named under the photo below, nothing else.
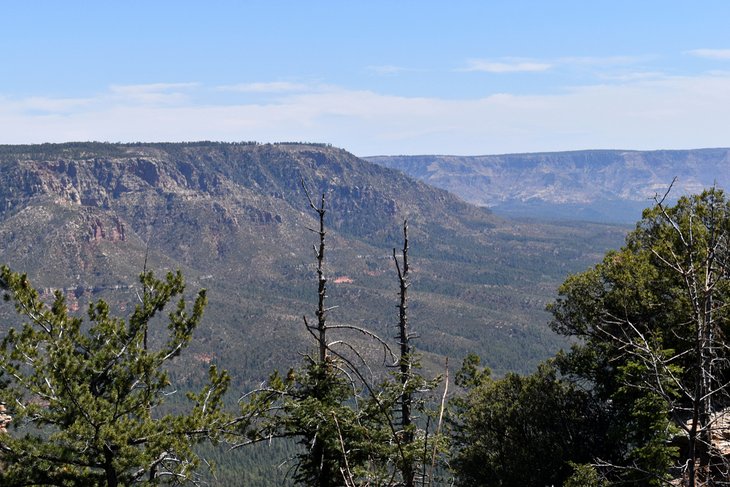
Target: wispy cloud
(602, 61)
(153, 93)
(386, 69)
(641, 113)
(526, 65)
(42, 104)
(265, 87)
(507, 66)
(722, 54)
(633, 76)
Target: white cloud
(507, 66)
(523, 65)
(663, 113)
(43, 104)
(722, 54)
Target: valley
(235, 219)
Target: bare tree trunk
(321, 287)
(321, 329)
(320, 452)
(405, 362)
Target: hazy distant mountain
(235, 219)
(599, 185)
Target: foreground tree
(416, 448)
(522, 430)
(406, 373)
(353, 431)
(317, 405)
(652, 319)
(86, 398)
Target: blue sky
(374, 77)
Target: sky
(373, 77)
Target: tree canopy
(519, 430)
(641, 396)
(652, 320)
(87, 397)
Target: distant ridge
(599, 185)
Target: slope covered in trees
(86, 401)
(84, 219)
(232, 217)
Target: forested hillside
(235, 220)
(84, 220)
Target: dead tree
(320, 331)
(320, 464)
(338, 363)
(405, 361)
(334, 407)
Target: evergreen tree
(638, 397)
(87, 398)
(521, 430)
(652, 320)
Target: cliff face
(604, 185)
(85, 218)
(226, 186)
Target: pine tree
(86, 396)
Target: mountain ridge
(604, 185)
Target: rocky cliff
(596, 184)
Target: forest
(640, 397)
